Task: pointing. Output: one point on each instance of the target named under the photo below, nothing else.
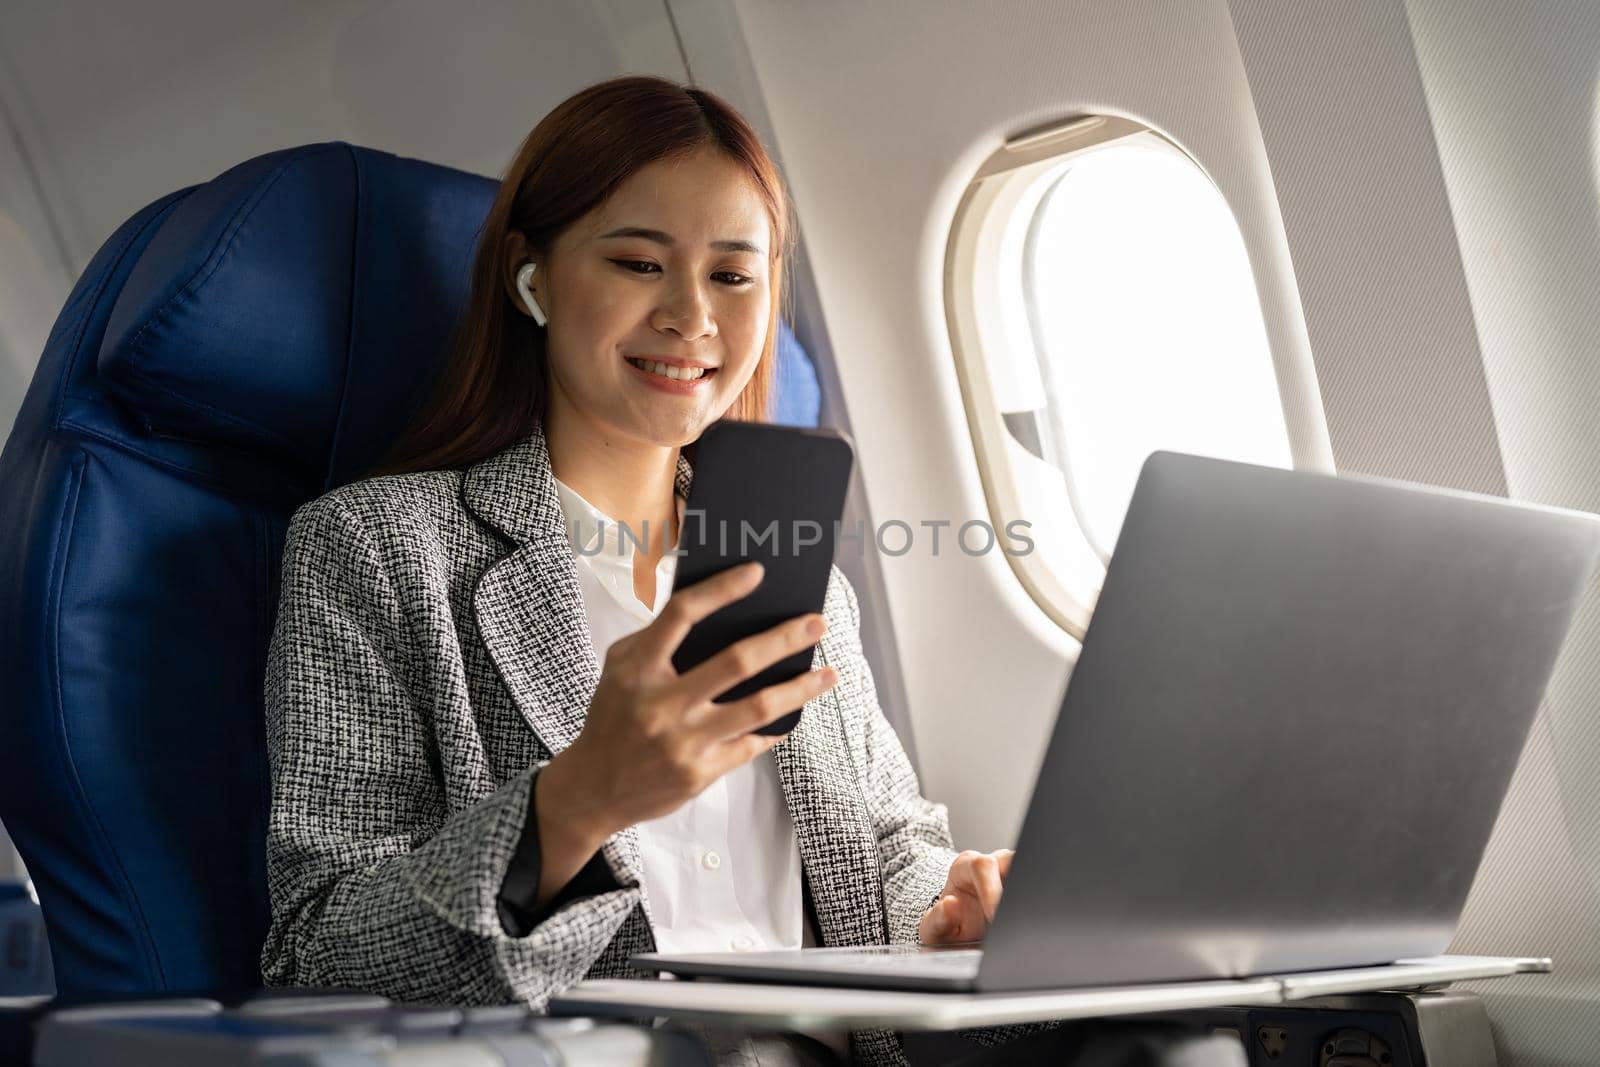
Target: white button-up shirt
(710, 886)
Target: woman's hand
(653, 738)
(971, 892)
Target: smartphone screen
(767, 493)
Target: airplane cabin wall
(34, 275)
(1514, 91)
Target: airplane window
(1102, 307)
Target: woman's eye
(641, 266)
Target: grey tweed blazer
(431, 654)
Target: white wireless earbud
(524, 278)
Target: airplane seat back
(234, 349)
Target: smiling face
(671, 269)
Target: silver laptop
(1284, 744)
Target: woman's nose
(685, 310)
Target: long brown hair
(491, 391)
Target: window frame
(1004, 193)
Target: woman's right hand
(654, 738)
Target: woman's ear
(525, 275)
(513, 254)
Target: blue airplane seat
(235, 349)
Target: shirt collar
(514, 493)
(595, 535)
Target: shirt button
(743, 943)
(711, 861)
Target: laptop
(1282, 748)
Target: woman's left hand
(971, 892)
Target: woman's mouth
(670, 376)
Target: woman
(488, 780)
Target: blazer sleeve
(914, 843)
(377, 880)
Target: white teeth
(677, 374)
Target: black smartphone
(767, 493)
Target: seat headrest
(298, 305)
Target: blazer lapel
(530, 615)
(528, 605)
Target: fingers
(986, 876)
(977, 880)
(688, 606)
(748, 657)
(741, 750)
(942, 922)
(972, 894)
(739, 717)
(734, 722)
